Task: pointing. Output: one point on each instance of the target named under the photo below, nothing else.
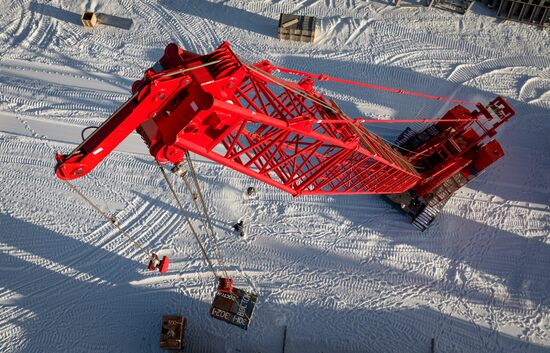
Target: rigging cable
(111, 220)
(325, 104)
(195, 234)
(322, 103)
(323, 77)
(205, 212)
(353, 122)
(197, 239)
(201, 213)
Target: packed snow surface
(342, 274)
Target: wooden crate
(297, 28)
(171, 335)
(89, 19)
(458, 6)
(235, 308)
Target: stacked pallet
(458, 6)
(297, 28)
(91, 19)
(172, 332)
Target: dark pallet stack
(172, 332)
(297, 28)
(458, 6)
(534, 12)
(91, 19)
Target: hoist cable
(197, 239)
(211, 237)
(352, 122)
(197, 186)
(205, 212)
(314, 99)
(393, 121)
(323, 77)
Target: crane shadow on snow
(55, 12)
(190, 210)
(227, 15)
(74, 295)
(474, 254)
(473, 251)
(70, 293)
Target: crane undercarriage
(449, 154)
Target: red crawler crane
(289, 136)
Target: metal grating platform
(534, 12)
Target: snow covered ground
(343, 274)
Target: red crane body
(288, 135)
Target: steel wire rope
(110, 219)
(195, 234)
(320, 102)
(213, 239)
(203, 249)
(353, 121)
(113, 219)
(323, 77)
(199, 191)
(313, 98)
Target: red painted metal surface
(280, 132)
(225, 284)
(461, 149)
(156, 264)
(243, 117)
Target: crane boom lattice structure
(288, 135)
(245, 118)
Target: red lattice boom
(243, 117)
